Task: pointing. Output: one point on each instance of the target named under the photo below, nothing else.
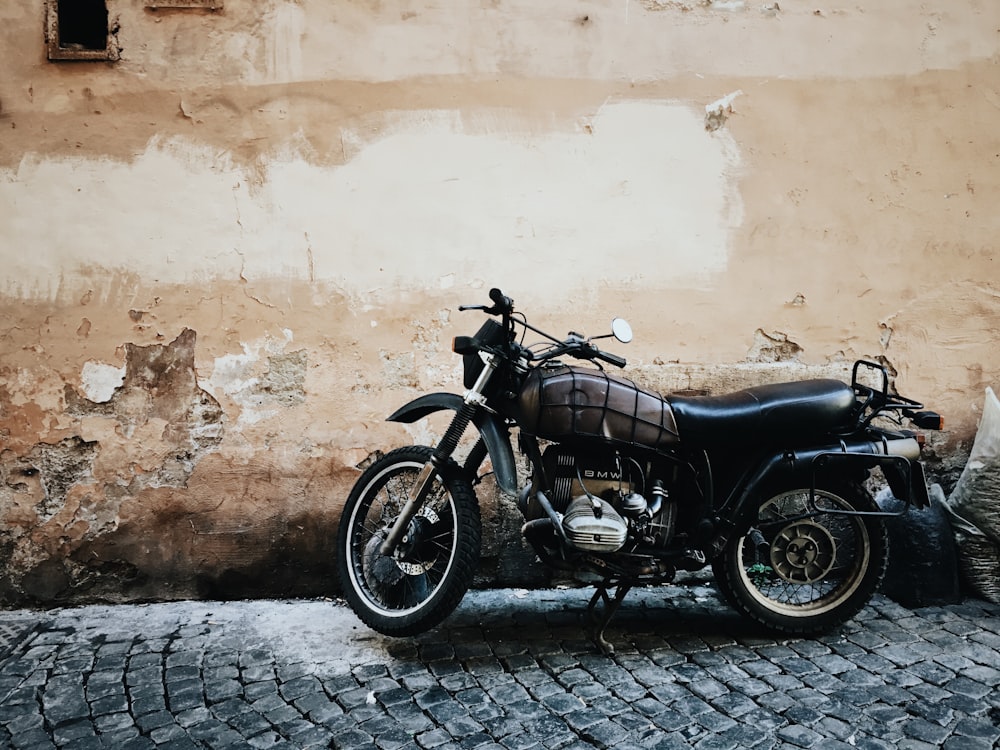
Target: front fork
(439, 458)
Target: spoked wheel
(422, 582)
(799, 571)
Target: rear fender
(491, 428)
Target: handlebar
(502, 305)
(574, 345)
(580, 350)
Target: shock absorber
(439, 458)
(447, 445)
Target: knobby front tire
(798, 572)
(402, 596)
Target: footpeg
(692, 559)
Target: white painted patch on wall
(99, 380)
(640, 195)
(238, 376)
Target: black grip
(502, 305)
(612, 359)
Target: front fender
(491, 428)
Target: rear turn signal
(928, 420)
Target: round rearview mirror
(621, 330)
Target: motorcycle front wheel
(802, 570)
(418, 586)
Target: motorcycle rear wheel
(414, 590)
(803, 573)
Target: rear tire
(407, 594)
(802, 573)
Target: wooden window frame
(203, 4)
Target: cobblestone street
(510, 669)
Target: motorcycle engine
(575, 475)
(597, 495)
(594, 526)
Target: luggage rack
(872, 402)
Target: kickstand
(599, 623)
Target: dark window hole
(83, 24)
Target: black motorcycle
(626, 487)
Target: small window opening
(79, 30)
(83, 24)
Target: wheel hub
(803, 552)
(412, 550)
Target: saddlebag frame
(905, 478)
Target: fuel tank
(564, 403)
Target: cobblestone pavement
(510, 669)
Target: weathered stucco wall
(229, 254)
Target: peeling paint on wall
(262, 379)
(159, 387)
(774, 347)
(149, 432)
(285, 378)
(100, 381)
(718, 111)
(49, 471)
